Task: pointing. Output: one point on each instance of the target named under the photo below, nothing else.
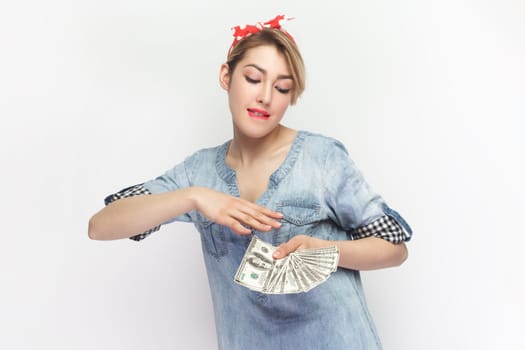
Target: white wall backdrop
(97, 95)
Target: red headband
(241, 33)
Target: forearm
(361, 254)
(370, 253)
(130, 216)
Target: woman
(291, 188)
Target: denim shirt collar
(230, 177)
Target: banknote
(299, 272)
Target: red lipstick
(258, 113)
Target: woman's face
(259, 91)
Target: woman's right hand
(238, 214)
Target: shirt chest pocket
(213, 237)
(299, 217)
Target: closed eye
(251, 81)
(281, 90)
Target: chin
(257, 132)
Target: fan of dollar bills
(299, 272)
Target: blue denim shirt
(321, 193)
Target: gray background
(97, 95)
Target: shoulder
(322, 145)
(200, 161)
(204, 156)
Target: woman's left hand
(368, 253)
(299, 242)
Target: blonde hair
(284, 45)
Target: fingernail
(276, 254)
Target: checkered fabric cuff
(136, 190)
(385, 227)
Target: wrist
(194, 195)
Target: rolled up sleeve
(355, 206)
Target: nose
(265, 94)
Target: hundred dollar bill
(258, 266)
(299, 272)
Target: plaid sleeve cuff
(386, 228)
(136, 190)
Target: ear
(224, 76)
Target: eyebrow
(263, 71)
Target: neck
(245, 150)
